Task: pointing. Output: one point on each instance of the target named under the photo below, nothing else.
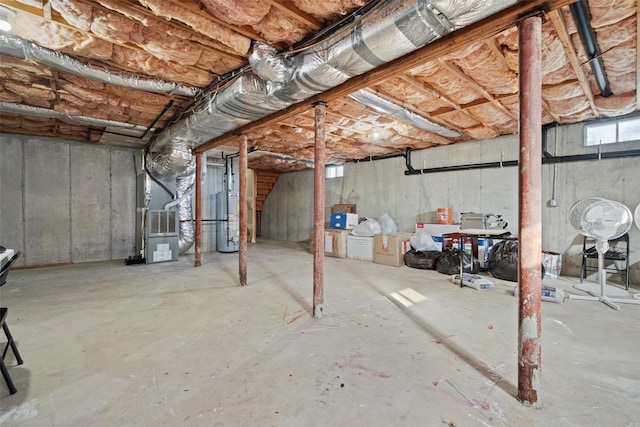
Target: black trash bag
(423, 260)
(449, 262)
(503, 261)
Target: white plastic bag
(367, 228)
(423, 242)
(387, 224)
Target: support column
(318, 211)
(242, 253)
(530, 212)
(198, 257)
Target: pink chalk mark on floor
(293, 319)
(439, 340)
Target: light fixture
(375, 135)
(5, 15)
(297, 130)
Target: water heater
(228, 230)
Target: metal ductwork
(184, 188)
(402, 114)
(394, 29)
(29, 110)
(580, 13)
(389, 31)
(15, 46)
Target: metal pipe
(198, 237)
(226, 192)
(545, 160)
(486, 165)
(530, 211)
(580, 13)
(592, 156)
(242, 255)
(380, 157)
(407, 159)
(155, 120)
(318, 210)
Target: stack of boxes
(388, 249)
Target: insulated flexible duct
(402, 114)
(184, 187)
(18, 47)
(29, 110)
(396, 28)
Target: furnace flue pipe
(198, 236)
(318, 211)
(242, 253)
(530, 212)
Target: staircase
(265, 180)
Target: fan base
(604, 299)
(595, 289)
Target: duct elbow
(268, 64)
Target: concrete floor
(107, 344)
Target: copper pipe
(530, 212)
(242, 253)
(318, 211)
(198, 236)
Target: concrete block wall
(381, 187)
(65, 201)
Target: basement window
(334, 171)
(612, 132)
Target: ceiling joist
(422, 86)
(296, 13)
(456, 71)
(567, 44)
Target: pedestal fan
(636, 218)
(603, 220)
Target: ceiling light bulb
(297, 130)
(375, 135)
(5, 15)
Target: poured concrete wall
(381, 187)
(64, 201)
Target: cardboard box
(343, 208)
(344, 221)
(335, 243)
(389, 249)
(360, 248)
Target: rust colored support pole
(318, 212)
(198, 261)
(530, 212)
(242, 254)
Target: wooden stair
(264, 184)
(265, 180)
